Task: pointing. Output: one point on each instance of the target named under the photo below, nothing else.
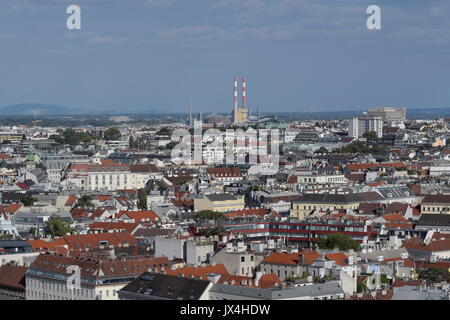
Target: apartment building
(53, 277)
(221, 202)
(108, 176)
(357, 126)
(324, 201)
(436, 204)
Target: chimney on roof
(258, 277)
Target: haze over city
(297, 55)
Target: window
(242, 259)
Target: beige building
(328, 201)
(221, 202)
(436, 204)
(109, 176)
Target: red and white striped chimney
(244, 92)
(235, 93)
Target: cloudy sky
(298, 55)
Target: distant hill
(39, 109)
(34, 109)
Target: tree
(28, 201)
(33, 231)
(212, 231)
(7, 236)
(85, 202)
(112, 134)
(71, 137)
(142, 200)
(322, 150)
(338, 240)
(371, 136)
(55, 226)
(163, 132)
(171, 145)
(434, 275)
(209, 215)
(131, 142)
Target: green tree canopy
(142, 200)
(209, 215)
(212, 231)
(359, 147)
(164, 132)
(28, 201)
(371, 136)
(112, 134)
(55, 226)
(72, 137)
(433, 275)
(338, 240)
(85, 202)
(322, 150)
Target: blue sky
(298, 55)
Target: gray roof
(413, 293)
(442, 220)
(314, 290)
(16, 246)
(151, 286)
(395, 192)
(340, 198)
(220, 197)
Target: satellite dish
(380, 258)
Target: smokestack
(244, 91)
(235, 110)
(235, 93)
(190, 113)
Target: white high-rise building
(359, 125)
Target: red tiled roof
(338, 257)
(436, 198)
(281, 258)
(365, 166)
(120, 225)
(12, 208)
(224, 172)
(78, 213)
(90, 268)
(13, 277)
(71, 200)
(394, 217)
(98, 212)
(92, 241)
(104, 198)
(433, 246)
(56, 246)
(269, 280)
(198, 272)
(139, 216)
